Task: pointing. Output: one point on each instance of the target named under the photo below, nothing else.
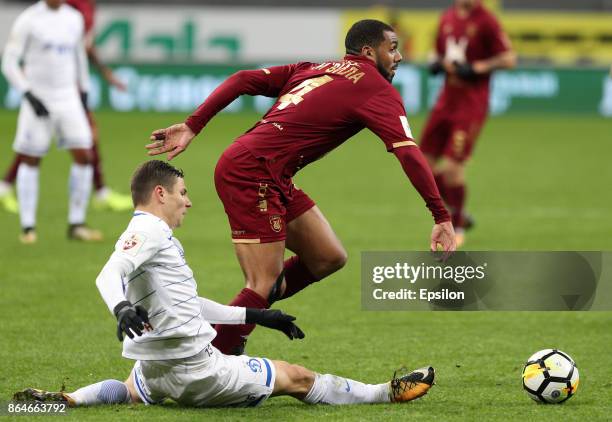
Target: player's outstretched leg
(42, 396)
(314, 388)
(103, 392)
(411, 386)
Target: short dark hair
(150, 174)
(365, 32)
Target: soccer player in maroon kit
(105, 197)
(470, 45)
(318, 107)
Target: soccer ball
(550, 376)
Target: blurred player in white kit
(45, 59)
(149, 287)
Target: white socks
(331, 389)
(104, 392)
(27, 194)
(79, 186)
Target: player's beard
(386, 74)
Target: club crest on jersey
(133, 243)
(276, 223)
(254, 364)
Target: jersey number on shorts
(296, 95)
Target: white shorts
(67, 121)
(208, 379)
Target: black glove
(37, 105)
(84, 101)
(275, 319)
(435, 67)
(131, 319)
(465, 71)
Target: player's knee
(331, 262)
(454, 173)
(338, 260)
(303, 379)
(82, 156)
(300, 379)
(114, 392)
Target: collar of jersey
(138, 213)
(360, 59)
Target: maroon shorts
(258, 208)
(451, 135)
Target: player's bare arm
(175, 139)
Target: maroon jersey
(477, 36)
(318, 107)
(87, 9)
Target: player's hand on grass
(131, 319)
(443, 238)
(275, 319)
(37, 105)
(173, 140)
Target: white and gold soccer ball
(550, 376)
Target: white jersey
(50, 44)
(148, 268)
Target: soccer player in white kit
(149, 287)
(48, 39)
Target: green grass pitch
(536, 183)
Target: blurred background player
(48, 39)
(319, 107)
(168, 330)
(470, 45)
(104, 197)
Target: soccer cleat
(412, 386)
(108, 199)
(33, 394)
(9, 202)
(28, 236)
(83, 233)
